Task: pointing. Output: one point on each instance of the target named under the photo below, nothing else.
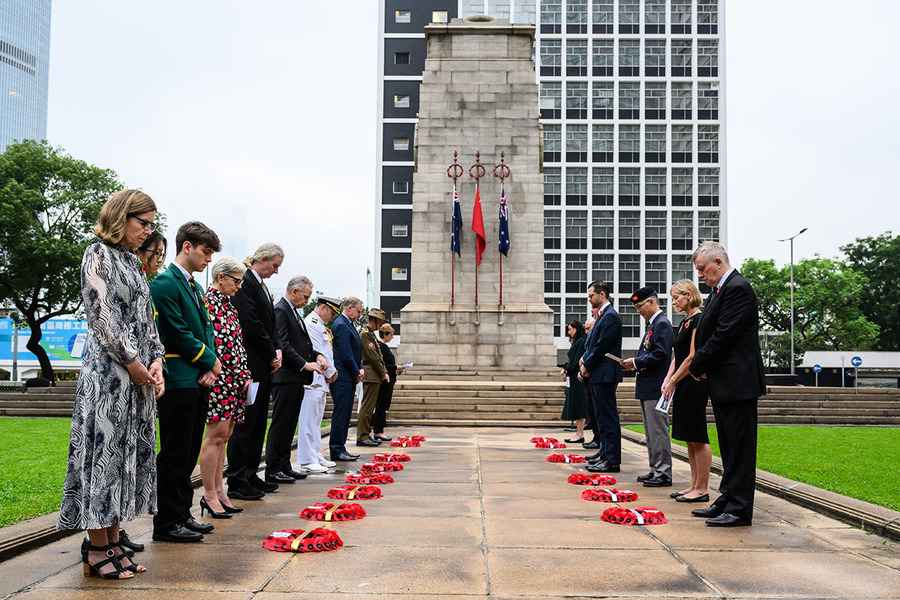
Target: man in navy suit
(652, 363)
(348, 362)
(602, 376)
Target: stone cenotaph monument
(479, 93)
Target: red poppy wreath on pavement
(538, 438)
(565, 458)
(355, 492)
(549, 443)
(371, 479)
(406, 441)
(608, 495)
(593, 479)
(326, 511)
(299, 540)
(387, 467)
(391, 457)
(641, 515)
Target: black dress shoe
(643, 478)
(294, 474)
(368, 442)
(574, 441)
(269, 488)
(597, 456)
(591, 445)
(603, 468)
(245, 492)
(178, 534)
(710, 512)
(676, 494)
(276, 478)
(344, 457)
(683, 498)
(195, 525)
(728, 520)
(657, 482)
(126, 541)
(382, 438)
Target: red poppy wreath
(387, 457)
(549, 443)
(355, 492)
(593, 479)
(371, 479)
(538, 438)
(326, 511)
(608, 495)
(299, 540)
(565, 458)
(407, 441)
(387, 467)
(641, 515)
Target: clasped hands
(141, 375)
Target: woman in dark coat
(575, 408)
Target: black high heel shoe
(93, 570)
(574, 441)
(232, 510)
(204, 507)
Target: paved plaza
(479, 513)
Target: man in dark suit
(257, 317)
(191, 365)
(654, 354)
(299, 362)
(602, 376)
(727, 354)
(348, 361)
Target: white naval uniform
(309, 436)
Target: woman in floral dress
(228, 395)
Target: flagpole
(454, 171)
(477, 171)
(501, 171)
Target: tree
(49, 203)
(827, 313)
(878, 259)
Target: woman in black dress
(575, 407)
(386, 390)
(690, 395)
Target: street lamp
(791, 240)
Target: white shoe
(314, 468)
(326, 463)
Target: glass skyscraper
(24, 69)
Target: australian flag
(503, 244)
(456, 226)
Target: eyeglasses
(148, 225)
(238, 282)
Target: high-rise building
(632, 106)
(24, 69)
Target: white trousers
(309, 436)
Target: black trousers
(246, 444)
(385, 394)
(606, 415)
(342, 396)
(286, 400)
(182, 418)
(736, 424)
(592, 414)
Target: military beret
(330, 302)
(643, 294)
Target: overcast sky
(258, 118)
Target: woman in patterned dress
(228, 395)
(111, 468)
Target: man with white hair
(727, 354)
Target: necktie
(715, 290)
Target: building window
(395, 317)
(602, 187)
(708, 143)
(681, 101)
(707, 58)
(551, 58)
(402, 16)
(576, 143)
(708, 16)
(439, 16)
(708, 226)
(602, 51)
(576, 16)
(681, 58)
(576, 309)
(551, 99)
(629, 230)
(576, 58)
(708, 182)
(629, 58)
(602, 16)
(655, 100)
(655, 272)
(552, 186)
(629, 187)
(399, 231)
(399, 274)
(551, 273)
(401, 101)
(629, 273)
(553, 303)
(603, 224)
(631, 320)
(602, 144)
(682, 230)
(602, 100)
(708, 100)
(603, 268)
(655, 16)
(552, 230)
(401, 144)
(629, 16)
(682, 187)
(576, 186)
(682, 143)
(682, 268)
(576, 99)
(630, 101)
(655, 186)
(576, 230)
(681, 16)
(401, 58)
(552, 143)
(629, 143)
(551, 17)
(655, 58)
(576, 273)
(655, 230)
(401, 187)
(655, 143)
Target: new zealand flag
(503, 244)
(456, 226)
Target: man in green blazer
(191, 366)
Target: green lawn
(860, 462)
(33, 455)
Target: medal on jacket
(647, 339)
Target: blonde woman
(690, 395)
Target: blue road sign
(856, 361)
(817, 368)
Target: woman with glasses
(111, 468)
(152, 254)
(228, 395)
